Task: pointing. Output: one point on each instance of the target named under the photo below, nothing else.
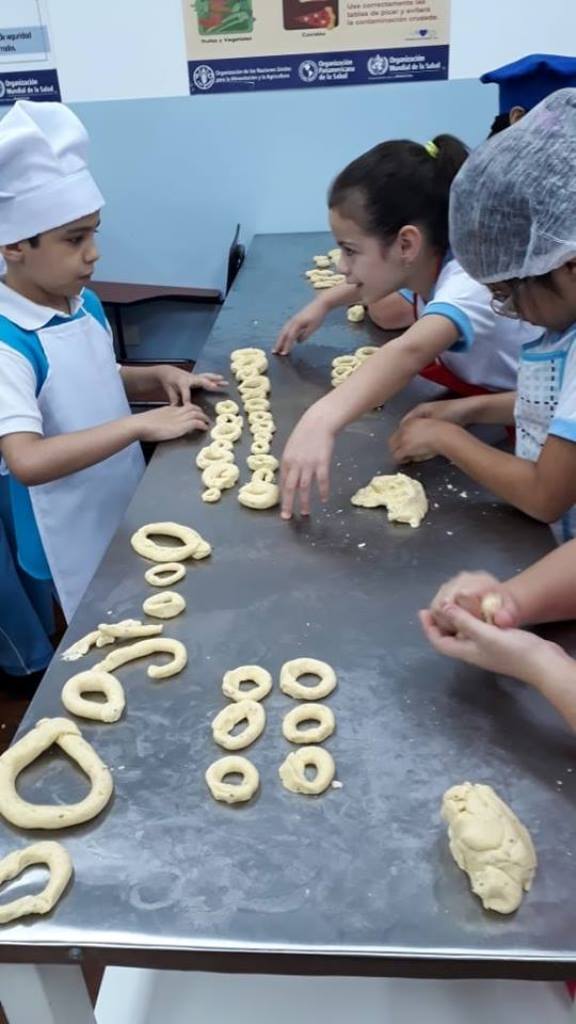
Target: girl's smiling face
(367, 263)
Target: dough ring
(254, 387)
(232, 683)
(22, 753)
(241, 354)
(59, 864)
(211, 494)
(241, 710)
(143, 649)
(319, 713)
(215, 452)
(166, 605)
(259, 495)
(260, 416)
(255, 462)
(227, 406)
(350, 362)
(229, 417)
(94, 681)
(165, 575)
(243, 371)
(221, 475)
(192, 546)
(263, 475)
(292, 670)
(257, 405)
(232, 792)
(293, 770)
(260, 447)
(226, 431)
(365, 351)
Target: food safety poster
(27, 65)
(244, 45)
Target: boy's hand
(300, 327)
(467, 591)
(170, 422)
(176, 383)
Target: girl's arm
(308, 451)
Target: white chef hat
(44, 179)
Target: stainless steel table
(359, 880)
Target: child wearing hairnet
(513, 228)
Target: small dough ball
(490, 605)
(356, 314)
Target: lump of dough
(490, 844)
(402, 496)
(356, 314)
(490, 605)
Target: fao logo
(378, 66)
(203, 77)
(308, 71)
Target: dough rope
(242, 710)
(490, 844)
(192, 546)
(233, 680)
(259, 495)
(221, 475)
(106, 634)
(94, 681)
(404, 498)
(143, 649)
(319, 713)
(166, 605)
(293, 771)
(292, 670)
(59, 863)
(165, 575)
(231, 792)
(22, 753)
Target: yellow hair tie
(432, 149)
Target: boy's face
(62, 261)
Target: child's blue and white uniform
(58, 374)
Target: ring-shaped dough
(292, 670)
(365, 351)
(263, 475)
(22, 753)
(227, 406)
(215, 452)
(232, 683)
(166, 605)
(260, 416)
(192, 546)
(211, 494)
(262, 462)
(229, 417)
(256, 405)
(254, 387)
(59, 864)
(143, 649)
(259, 495)
(319, 713)
(342, 372)
(242, 371)
(293, 770)
(226, 431)
(93, 681)
(241, 710)
(347, 362)
(241, 354)
(259, 447)
(165, 575)
(221, 475)
(232, 792)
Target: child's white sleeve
(19, 410)
(564, 422)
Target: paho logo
(308, 71)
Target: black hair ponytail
(398, 183)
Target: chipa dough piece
(293, 771)
(490, 844)
(402, 496)
(94, 682)
(232, 792)
(58, 862)
(192, 544)
(356, 314)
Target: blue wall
(178, 173)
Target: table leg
(44, 995)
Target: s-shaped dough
(22, 753)
(58, 862)
(490, 844)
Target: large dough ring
(292, 670)
(293, 770)
(193, 545)
(215, 452)
(259, 495)
(226, 406)
(232, 792)
(166, 605)
(22, 753)
(232, 683)
(256, 405)
(59, 864)
(232, 715)
(221, 475)
(165, 575)
(226, 431)
(319, 713)
(262, 462)
(94, 681)
(142, 650)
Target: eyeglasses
(507, 304)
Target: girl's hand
(467, 591)
(416, 440)
(508, 652)
(453, 410)
(300, 327)
(306, 460)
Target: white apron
(78, 515)
(540, 379)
